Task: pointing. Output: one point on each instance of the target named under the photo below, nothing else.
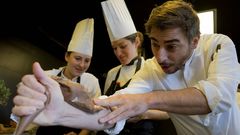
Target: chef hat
(118, 19)
(82, 38)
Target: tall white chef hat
(118, 19)
(82, 38)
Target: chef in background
(78, 58)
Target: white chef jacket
(126, 74)
(88, 80)
(216, 72)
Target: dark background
(41, 31)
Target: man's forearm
(73, 117)
(185, 101)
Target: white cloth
(118, 126)
(217, 79)
(88, 80)
(126, 73)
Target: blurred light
(207, 21)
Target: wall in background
(16, 59)
(228, 17)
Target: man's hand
(125, 106)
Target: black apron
(115, 86)
(57, 130)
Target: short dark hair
(175, 14)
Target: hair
(133, 37)
(68, 53)
(174, 14)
